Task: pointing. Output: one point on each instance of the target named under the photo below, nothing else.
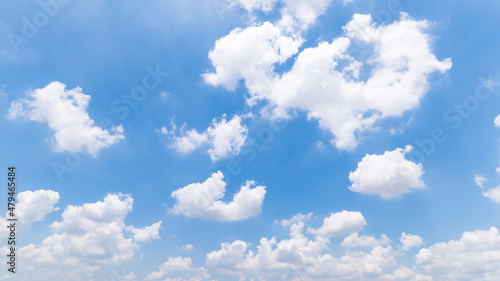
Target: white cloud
(65, 112)
(147, 233)
(493, 194)
(409, 241)
(480, 180)
(90, 216)
(389, 175)
(179, 266)
(130, 277)
(320, 145)
(300, 256)
(325, 81)
(33, 206)
(165, 94)
(230, 255)
(87, 238)
(404, 273)
(476, 256)
(354, 240)
(341, 223)
(189, 142)
(296, 219)
(225, 138)
(300, 14)
(355, 265)
(249, 53)
(202, 200)
(188, 247)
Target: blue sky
(265, 80)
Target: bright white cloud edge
(389, 175)
(203, 200)
(65, 112)
(341, 99)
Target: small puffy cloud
(228, 256)
(33, 206)
(493, 194)
(188, 247)
(342, 223)
(65, 112)
(122, 276)
(355, 265)
(225, 138)
(296, 219)
(409, 241)
(90, 216)
(147, 233)
(497, 124)
(354, 240)
(389, 175)
(130, 277)
(480, 180)
(92, 230)
(165, 94)
(179, 266)
(203, 200)
(320, 145)
(476, 256)
(184, 141)
(190, 141)
(90, 239)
